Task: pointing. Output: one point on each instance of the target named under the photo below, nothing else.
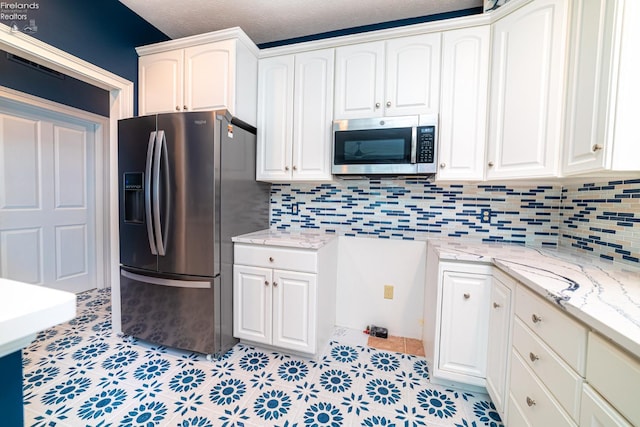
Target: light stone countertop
(28, 309)
(604, 295)
(301, 239)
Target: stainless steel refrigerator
(187, 185)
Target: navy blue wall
(103, 32)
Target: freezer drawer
(175, 313)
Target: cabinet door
(252, 303)
(312, 115)
(412, 75)
(463, 324)
(499, 343)
(209, 76)
(160, 78)
(527, 91)
(463, 109)
(596, 412)
(294, 310)
(359, 81)
(275, 115)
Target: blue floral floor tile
(81, 374)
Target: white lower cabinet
(278, 293)
(596, 412)
(462, 324)
(499, 340)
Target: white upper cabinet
(160, 77)
(203, 76)
(527, 96)
(463, 105)
(388, 78)
(603, 99)
(295, 101)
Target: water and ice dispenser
(134, 197)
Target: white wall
(365, 265)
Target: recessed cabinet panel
(464, 325)
(294, 302)
(208, 75)
(252, 303)
(359, 81)
(160, 82)
(527, 91)
(463, 105)
(412, 75)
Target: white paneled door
(47, 200)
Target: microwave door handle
(414, 144)
(147, 194)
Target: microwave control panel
(425, 150)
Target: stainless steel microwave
(405, 145)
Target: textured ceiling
(274, 20)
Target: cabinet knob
(185, 108)
(377, 105)
(530, 401)
(388, 103)
(466, 295)
(533, 357)
(490, 164)
(266, 283)
(596, 147)
(443, 165)
(177, 108)
(535, 318)
(275, 284)
(496, 305)
(270, 259)
(295, 168)
(286, 168)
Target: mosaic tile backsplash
(601, 218)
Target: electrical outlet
(294, 209)
(388, 291)
(485, 216)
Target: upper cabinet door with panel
(527, 82)
(463, 106)
(412, 75)
(604, 88)
(359, 85)
(160, 78)
(209, 75)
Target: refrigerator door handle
(160, 153)
(163, 234)
(198, 284)
(147, 194)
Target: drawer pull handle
(275, 284)
(466, 296)
(535, 318)
(530, 401)
(270, 259)
(266, 283)
(496, 305)
(533, 357)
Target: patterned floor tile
(81, 374)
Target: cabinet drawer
(533, 400)
(615, 375)
(565, 336)
(556, 375)
(276, 257)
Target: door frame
(121, 93)
(20, 102)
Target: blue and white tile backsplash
(601, 218)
